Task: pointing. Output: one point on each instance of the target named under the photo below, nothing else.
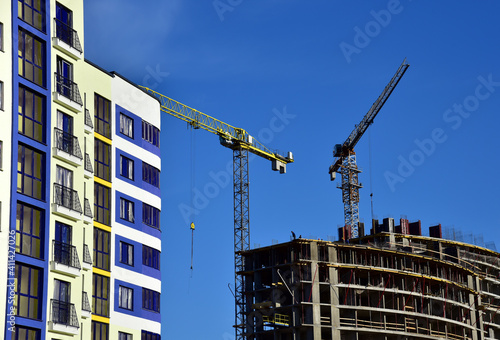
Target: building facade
(393, 284)
(79, 165)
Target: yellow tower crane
(241, 143)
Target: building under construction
(392, 284)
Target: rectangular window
(150, 133)
(150, 300)
(124, 336)
(31, 120)
(1, 155)
(32, 12)
(31, 58)
(100, 331)
(1, 36)
(150, 174)
(29, 231)
(126, 126)
(1, 82)
(102, 240)
(29, 172)
(25, 333)
(127, 210)
(102, 109)
(102, 161)
(150, 257)
(150, 216)
(126, 253)
(126, 167)
(28, 292)
(145, 335)
(126, 298)
(102, 204)
(100, 295)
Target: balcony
(67, 93)
(87, 259)
(66, 40)
(87, 212)
(66, 202)
(86, 309)
(66, 147)
(63, 317)
(65, 259)
(89, 126)
(88, 171)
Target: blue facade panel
(137, 310)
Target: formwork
(387, 285)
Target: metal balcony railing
(86, 254)
(88, 119)
(88, 163)
(68, 88)
(87, 209)
(66, 254)
(67, 197)
(67, 34)
(68, 143)
(63, 313)
(85, 302)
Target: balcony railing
(68, 143)
(67, 34)
(67, 88)
(66, 254)
(88, 164)
(88, 119)
(67, 197)
(85, 302)
(86, 254)
(63, 313)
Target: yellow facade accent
(102, 138)
(99, 318)
(101, 272)
(102, 226)
(102, 181)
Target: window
(31, 58)
(150, 257)
(126, 253)
(126, 167)
(29, 231)
(150, 300)
(100, 295)
(124, 336)
(102, 204)
(64, 24)
(62, 291)
(127, 210)
(29, 172)
(1, 36)
(32, 12)
(150, 133)
(126, 125)
(102, 109)
(100, 331)
(150, 216)
(28, 297)
(31, 118)
(150, 174)
(102, 163)
(1, 82)
(101, 249)
(25, 333)
(1, 155)
(126, 298)
(145, 335)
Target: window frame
(101, 206)
(125, 167)
(150, 133)
(30, 295)
(41, 12)
(102, 160)
(151, 174)
(1, 36)
(151, 300)
(100, 297)
(102, 327)
(100, 255)
(16, 335)
(37, 167)
(150, 257)
(1, 82)
(22, 58)
(23, 117)
(147, 335)
(102, 116)
(124, 336)
(22, 235)
(128, 123)
(129, 297)
(151, 216)
(126, 253)
(127, 210)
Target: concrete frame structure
(383, 286)
(61, 138)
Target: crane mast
(345, 158)
(241, 143)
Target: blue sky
(299, 75)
